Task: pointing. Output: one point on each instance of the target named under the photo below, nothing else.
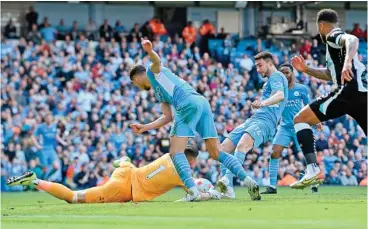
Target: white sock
(248, 181)
(35, 182)
(312, 169)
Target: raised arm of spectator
(156, 62)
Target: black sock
(305, 137)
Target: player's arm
(155, 59)
(351, 44)
(274, 99)
(277, 93)
(165, 118)
(320, 73)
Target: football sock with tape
(185, 172)
(274, 168)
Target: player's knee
(298, 119)
(243, 147)
(275, 155)
(78, 197)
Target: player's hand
(299, 63)
(319, 127)
(257, 104)
(347, 73)
(147, 45)
(137, 128)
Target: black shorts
(343, 100)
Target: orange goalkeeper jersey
(154, 179)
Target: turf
(332, 207)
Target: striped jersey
(335, 58)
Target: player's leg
(234, 166)
(54, 163)
(280, 142)
(322, 109)
(228, 147)
(273, 169)
(358, 110)
(57, 190)
(302, 123)
(117, 189)
(207, 130)
(183, 127)
(242, 137)
(244, 142)
(177, 147)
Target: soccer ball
(203, 185)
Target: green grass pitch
(332, 207)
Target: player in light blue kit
(191, 112)
(261, 127)
(298, 97)
(49, 137)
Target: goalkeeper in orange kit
(127, 183)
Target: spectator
(305, 48)
(246, 63)
(207, 31)
(81, 179)
(366, 33)
(358, 32)
(348, 179)
(315, 50)
(74, 31)
(321, 143)
(119, 30)
(31, 18)
(10, 30)
(91, 30)
(333, 179)
(189, 33)
(62, 30)
(144, 31)
(157, 27)
(221, 34)
(286, 180)
(44, 22)
(106, 31)
(364, 182)
(48, 33)
(34, 35)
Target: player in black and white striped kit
(349, 76)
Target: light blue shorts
(47, 156)
(194, 115)
(284, 136)
(259, 130)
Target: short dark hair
(136, 69)
(327, 15)
(191, 150)
(288, 66)
(264, 56)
